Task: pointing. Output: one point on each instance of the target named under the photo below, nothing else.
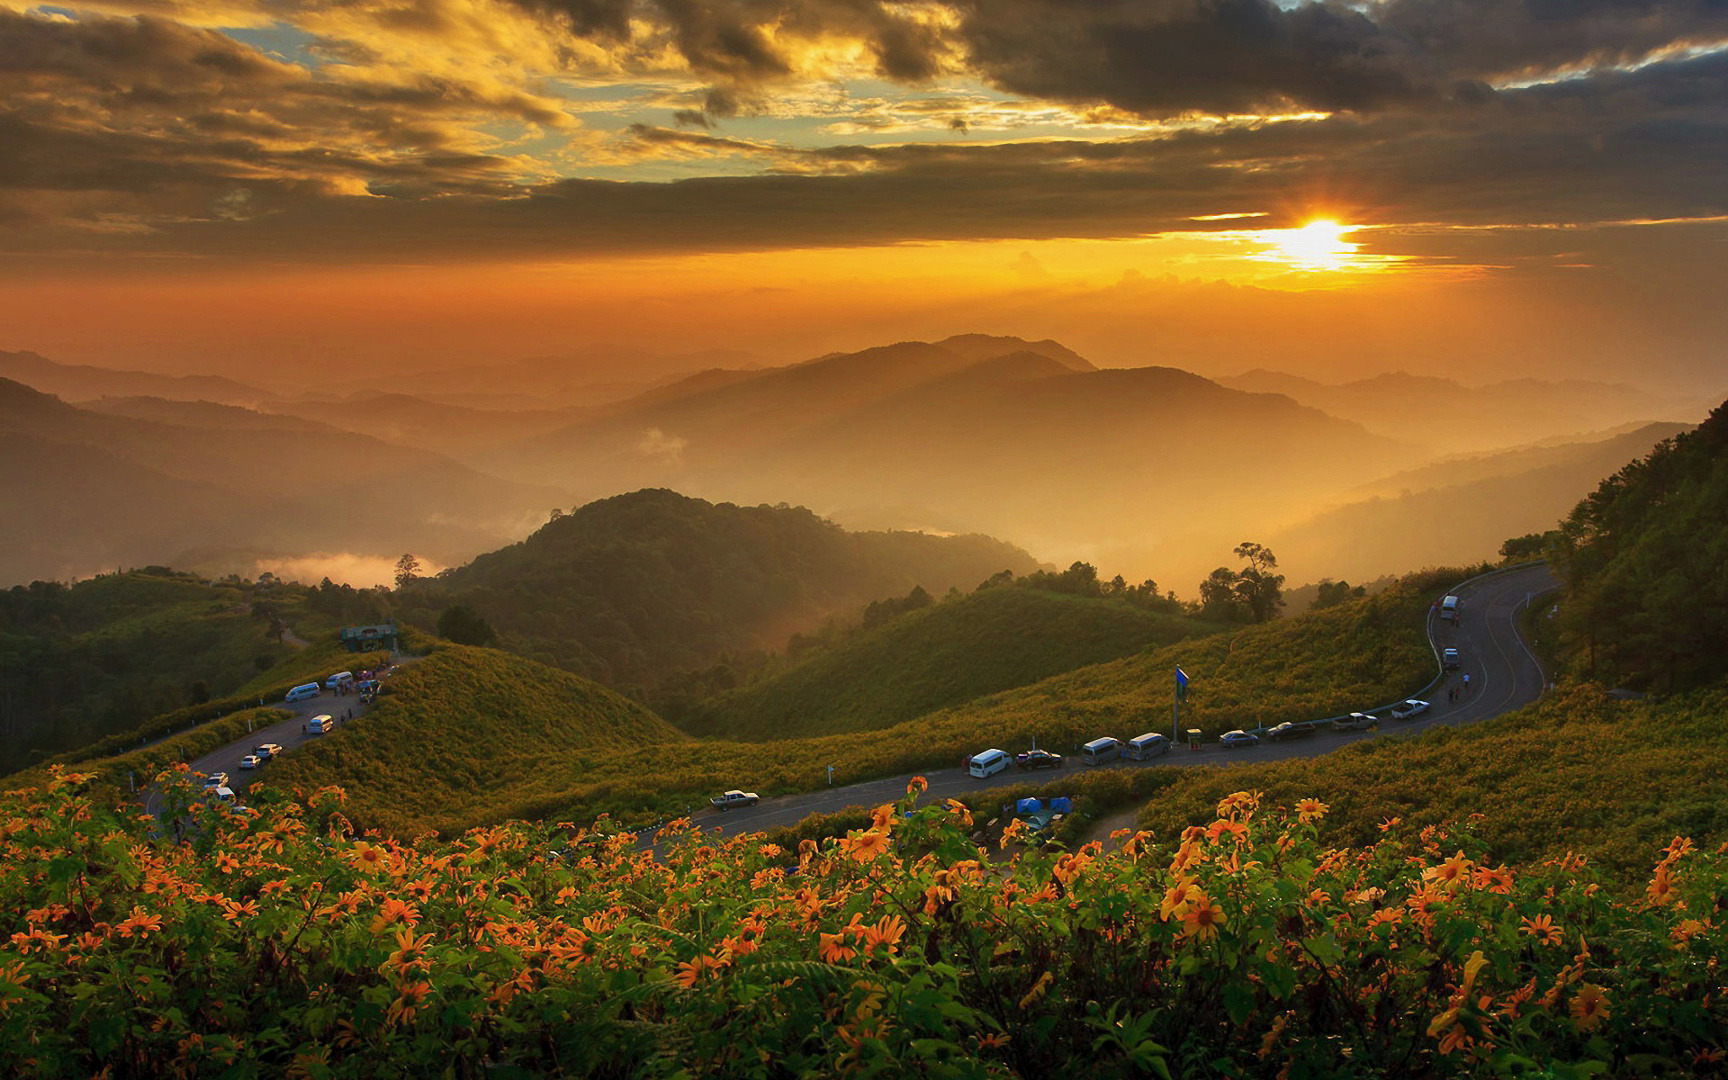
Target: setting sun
(1318, 245)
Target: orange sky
(286, 192)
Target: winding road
(1504, 675)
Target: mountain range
(1148, 471)
(1461, 510)
(137, 481)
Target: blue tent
(1062, 804)
(1028, 806)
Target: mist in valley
(1150, 472)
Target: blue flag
(1181, 685)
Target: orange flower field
(270, 941)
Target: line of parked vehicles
(1152, 744)
(216, 783)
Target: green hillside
(466, 731)
(490, 744)
(938, 656)
(1578, 771)
(100, 657)
(1645, 562)
(631, 589)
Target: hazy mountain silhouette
(77, 382)
(153, 481)
(1135, 468)
(1449, 416)
(1460, 511)
(540, 382)
(408, 420)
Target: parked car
(216, 780)
(1149, 745)
(1293, 729)
(1356, 721)
(1231, 739)
(268, 751)
(251, 761)
(734, 798)
(1408, 708)
(1449, 660)
(1038, 759)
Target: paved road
(1504, 675)
(288, 734)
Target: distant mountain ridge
(140, 481)
(1024, 440)
(78, 382)
(1460, 511)
(1449, 416)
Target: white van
(338, 679)
(988, 763)
(1149, 745)
(1449, 608)
(318, 725)
(302, 692)
(1098, 751)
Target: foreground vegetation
(277, 943)
(1577, 771)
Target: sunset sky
(295, 190)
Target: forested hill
(1645, 561)
(629, 589)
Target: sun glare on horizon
(1318, 245)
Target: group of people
(1456, 693)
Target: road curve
(1504, 675)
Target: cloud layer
(522, 129)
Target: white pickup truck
(734, 798)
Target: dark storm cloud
(1162, 57)
(1166, 57)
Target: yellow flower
(1542, 928)
(917, 785)
(866, 845)
(1178, 898)
(1589, 1006)
(1450, 873)
(887, 931)
(1495, 880)
(1038, 990)
(1310, 810)
(1202, 919)
(833, 948)
(1663, 888)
